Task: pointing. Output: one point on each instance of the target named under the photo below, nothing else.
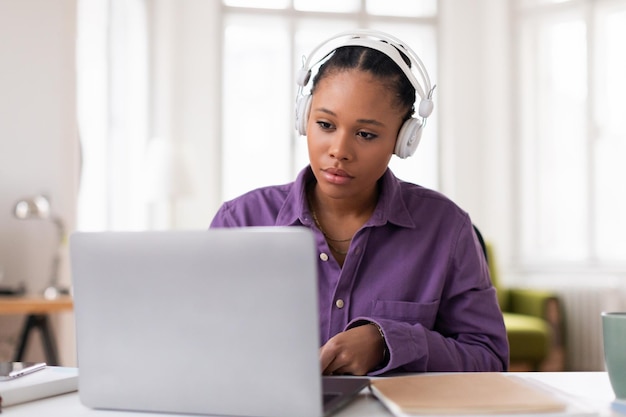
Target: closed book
(53, 380)
(464, 393)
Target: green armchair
(533, 320)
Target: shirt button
(323, 256)
(339, 303)
(357, 250)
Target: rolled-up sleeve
(452, 323)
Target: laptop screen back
(222, 321)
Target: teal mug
(614, 337)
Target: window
(572, 132)
(163, 89)
(263, 51)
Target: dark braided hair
(376, 63)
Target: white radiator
(582, 308)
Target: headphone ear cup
(303, 107)
(408, 138)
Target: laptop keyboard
(329, 396)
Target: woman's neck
(353, 207)
(340, 219)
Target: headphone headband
(382, 42)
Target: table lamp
(38, 207)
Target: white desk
(592, 390)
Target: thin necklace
(319, 226)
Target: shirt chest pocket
(412, 313)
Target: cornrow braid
(376, 63)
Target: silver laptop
(217, 322)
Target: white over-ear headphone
(411, 131)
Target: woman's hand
(356, 351)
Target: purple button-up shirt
(415, 268)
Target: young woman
(403, 283)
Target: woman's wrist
(385, 355)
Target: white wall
(38, 137)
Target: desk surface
(34, 305)
(591, 391)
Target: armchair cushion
(529, 337)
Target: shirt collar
(391, 206)
(295, 209)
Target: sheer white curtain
(112, 63)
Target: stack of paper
(48, 382)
